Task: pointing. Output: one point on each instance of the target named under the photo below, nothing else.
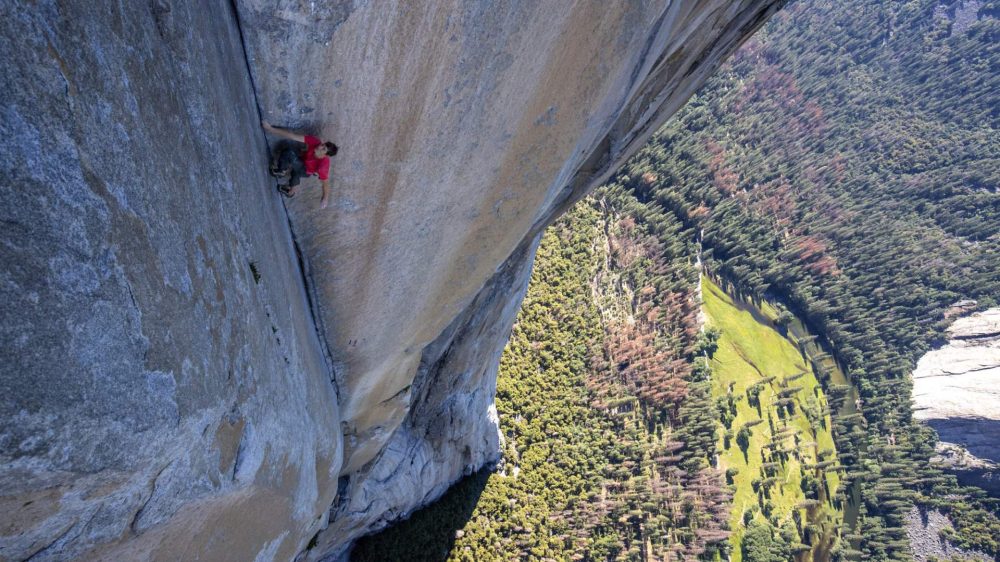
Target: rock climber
(294, 164)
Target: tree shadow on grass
(428, 535)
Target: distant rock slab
(981, 325)
(956, 391)
(962, 379)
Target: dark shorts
(288, 160)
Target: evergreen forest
(833, 190)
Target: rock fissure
(958, 373)
(234, 13)
(309, 285)
(134, 523)
(312, 300)
(976, 337)
(61, 536)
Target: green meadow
(776, 445)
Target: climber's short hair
(331, 149)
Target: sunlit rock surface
(464, 128)
(176, 382)
(956, 390)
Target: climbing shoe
(278, 172)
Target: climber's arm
(326, 193)
(281, 132)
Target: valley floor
(776, 443)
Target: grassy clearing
(752, 354)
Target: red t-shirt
(315, 165)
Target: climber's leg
(289, 165)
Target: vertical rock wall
(158, 399)
(465, 128)
(451, 429)
(168, 384)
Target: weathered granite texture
(465, 128)
(451, 429)
(956, 390)
(162, 399)
(156, 402)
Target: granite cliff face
(190, 371)
(163, 392)
(956, 390)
